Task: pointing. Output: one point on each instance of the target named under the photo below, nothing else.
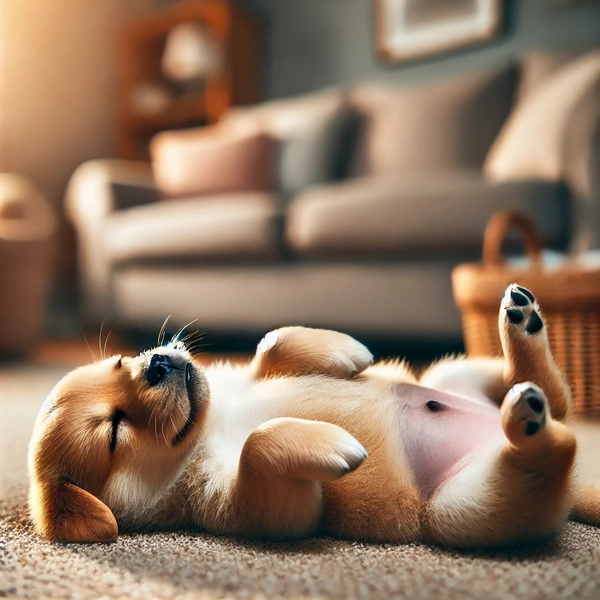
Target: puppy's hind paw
(520, 312)
(524, 413)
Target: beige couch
(376, 193)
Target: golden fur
(273, 449)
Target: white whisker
(100, 339)
(161, 334)
(88, 344)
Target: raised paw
(295, 351)
(520, 310)
(524, 413)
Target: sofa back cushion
(212, 160)
(312, 132)
(437, 127)
(537, 66)
(530, 144)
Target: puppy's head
(110, 440)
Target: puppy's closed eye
(115, 420)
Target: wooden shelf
(140, 52)
(189, 109)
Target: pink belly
(441, 441)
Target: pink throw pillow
(212, 160)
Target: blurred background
(256, 163)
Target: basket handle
(496, 231)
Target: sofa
(345, 208)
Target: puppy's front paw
(295, 351)
(350, 356)
(308, 450)
(524, 413)
(332, 453)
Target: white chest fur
(235, 411)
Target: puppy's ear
(67, 513)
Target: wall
(318, 43)
(58, 84)
(57, 78)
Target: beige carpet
(182, 565)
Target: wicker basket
(569, 298)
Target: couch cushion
(314, 293)
(393, 215)
(312, 131)
(536, 67)
(212, 160)
(530, 144)
(436, 127)
(235, 225)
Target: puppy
(473, 454)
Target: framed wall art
(414, 29)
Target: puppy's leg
(527, 357)
(517, 492)
(293, 351)
(527, 352)
(277, 493)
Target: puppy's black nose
(160, 367)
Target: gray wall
(312, 44)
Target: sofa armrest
(96, 189)
(581, 165)
(99, 187)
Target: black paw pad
(534, 324)
(535, 404)
(526, 292)
(532, 428)
(514, 316)
(519, 299)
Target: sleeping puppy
(473, 454)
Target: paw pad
(519, 299)
(514, 316)
(534, 324)
(526, 292)
(535, 404)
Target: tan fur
(586, 505)
(273, 448)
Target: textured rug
(183, 565)
(178, 565)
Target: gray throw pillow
(317, 154)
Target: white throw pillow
(530, 142)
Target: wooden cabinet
(140, 52)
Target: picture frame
(415, 29)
